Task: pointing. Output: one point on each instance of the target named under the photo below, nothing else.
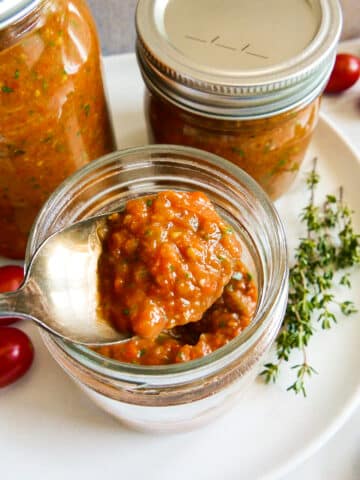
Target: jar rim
(230, 92)
(237, 178)
(12, 11)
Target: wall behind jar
(115, 19)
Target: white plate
(54, 430)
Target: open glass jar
(240, 79)
(53, 114)
(177, 396)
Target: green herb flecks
(6, 89)
(239, 151)
(322, 261)
(87, 109)
(279, 167)
(227, 231)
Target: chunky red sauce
(226, 319)
(53, 115)
(170, 272)
(165, 261)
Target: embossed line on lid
(232, 35)
(237, 47)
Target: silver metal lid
(13, 10)
(242, 58)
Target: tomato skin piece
(16, 355)
(345, 73)
(11, 277)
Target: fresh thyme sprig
(322, 261)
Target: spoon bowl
(59, 292)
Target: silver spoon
(59, 292)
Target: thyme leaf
(323, 260)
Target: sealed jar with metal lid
(53, 115)
(240, 78)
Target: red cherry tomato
(11, 277)
(345, 73)
(16, 355)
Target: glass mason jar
(53, 114)
(239, 79)
(177, 396)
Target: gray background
(115, 19)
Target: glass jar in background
(239, 79)
(53, 113)
(270, 149)
(183, 395)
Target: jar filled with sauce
(240, 79)
(53, 113)
(152, 392)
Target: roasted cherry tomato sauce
(171, 273)
(53, 114)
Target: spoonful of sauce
(59, 291)
(159, 263)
